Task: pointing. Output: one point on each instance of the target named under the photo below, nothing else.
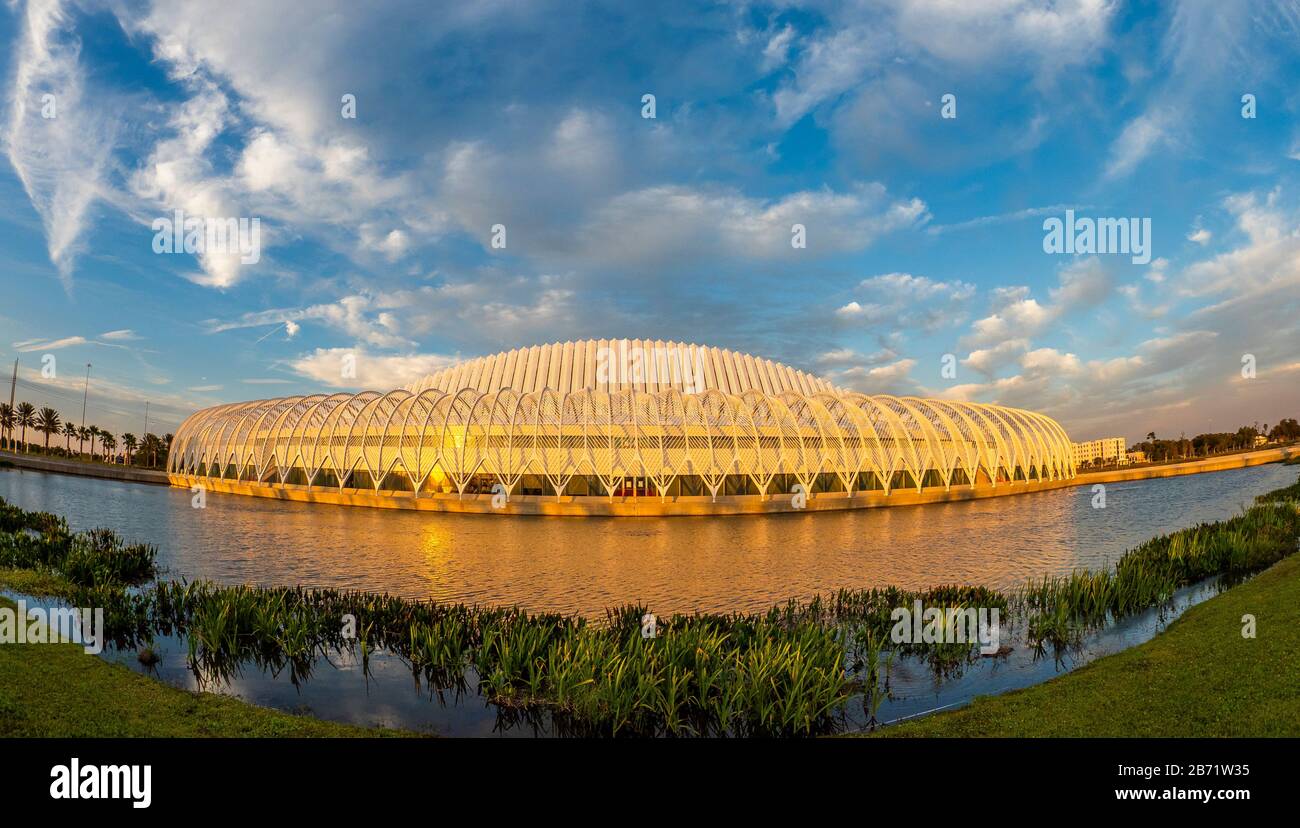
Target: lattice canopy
(571, 419)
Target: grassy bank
(1199, 677)
(56, 690)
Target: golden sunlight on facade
(619, 427)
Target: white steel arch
(706, 421)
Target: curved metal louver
(727, 417)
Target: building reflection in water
(669, 564)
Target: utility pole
(13, 386)
(85, 395)
(146, 420)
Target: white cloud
(62, 161)
(1082, 284)
(777, 50)
(828, 67)
(1002, 218)
(670, 222)
(1016, 319)
(863, 39)
(1053, 34)
(989, 360)
(29, 345)
(177, 175)
(365, 317)
(902, 300)
(847, 357)
(1269, 263)
(1200, 235)
(392, 245)
(1141, 136)
(894, 378)
(372, 371)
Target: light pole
(13, 386)
(85, 395)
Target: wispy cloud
(58, 136)
(1003, 218)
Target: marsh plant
(789, 671)
(39, 540)
(1060, 610)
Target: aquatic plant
(41, 541)
(1060, 609)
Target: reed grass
(1059, 610)
(41, 541)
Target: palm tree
(94, 432)
(69, 431)
(26, 417)
(83, 434)
(48, 422)
(7, 423)
(129, 442)
(110, 443)
(151, 445)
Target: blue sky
(924, 234)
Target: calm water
(670, 564)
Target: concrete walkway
(39, 462)
(1207, 464)
(647, 505)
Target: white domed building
(619, 427)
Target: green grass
(57, 690)
(37, 583)
(1197, 678)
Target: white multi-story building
(1107, 449)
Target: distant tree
(1285, 431)
(48, 422)
(7, 419)
(69, 431)
(129, 443)
(83, 434)
(26, 416)
(150, 447)
(110, 443)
